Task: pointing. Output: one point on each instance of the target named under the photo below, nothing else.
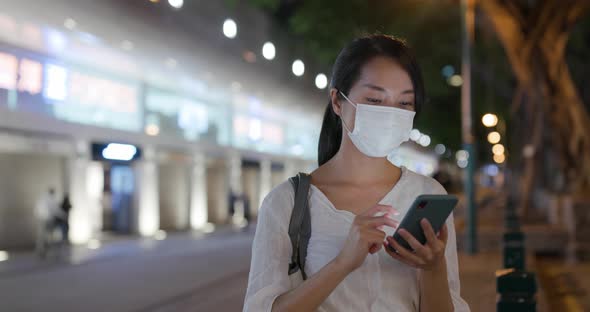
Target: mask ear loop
(342, 119)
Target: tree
(534, 36)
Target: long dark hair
(346, 72)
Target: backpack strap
(300, 224)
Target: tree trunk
(535, 42)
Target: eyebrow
(378, 88)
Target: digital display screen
(116, 152)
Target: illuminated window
(193, 117)
(31, 75)
(255, 129)
(8, 65)
(241, 126)
(273, 134)
(55, 82)
(101, 93)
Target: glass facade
(194, 111)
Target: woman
(356, 200)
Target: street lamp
(498, 149)
(494, 137)
(499, 158)
(321, 81)
(230, 28)
(455, 80)
(177, 4)
(268, 51)
(489, 120)
(298, 68)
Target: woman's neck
(350, 164)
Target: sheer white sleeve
(271, 251)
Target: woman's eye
(371, 100)
(406, 103)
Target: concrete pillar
(199, 216)
(147, 212)
(174, 190)
(217, 191)
(82, 177)
(95, 189)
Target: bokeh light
(230, 28)
(499, 158)
(268, 51)
(321, 81)
(494, 137)
(498, 149)
(489, 120)
(298, 68)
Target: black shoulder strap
(300, 224)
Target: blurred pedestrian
(62, 220)
(46, 209)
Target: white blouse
(380, 284)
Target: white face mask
(379, 130)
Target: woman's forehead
(385, 75)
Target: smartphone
(435, 208)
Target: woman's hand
(365, 236)
(429, 256)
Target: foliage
(432, 28)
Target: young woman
(356, 200)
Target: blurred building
(148, 115)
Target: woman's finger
(374, 234)
(377, 208)
(387, 247)
(428, 232)
(379, 221)
(419, 249)
(404, 253)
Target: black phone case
(435, 208)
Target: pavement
(567, 283)
(134, 275)
(184, 272)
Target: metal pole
(467, 10)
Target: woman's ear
(335, 101)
